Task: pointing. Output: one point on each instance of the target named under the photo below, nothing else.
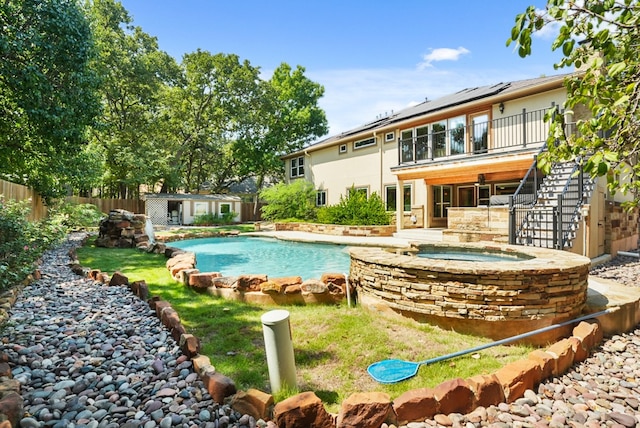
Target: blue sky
(372, 57)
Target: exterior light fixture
(501, 108)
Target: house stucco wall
(336, 172)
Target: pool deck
(602, 294)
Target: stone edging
(336, 229)
(457, 395)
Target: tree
(295, 200)
(292, 120)
(211, 110)
(134, 73)
(47, 92)
(229, 125)
(601, 39)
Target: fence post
(512, 221)
(558, 226)
(524, 127)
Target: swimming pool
(273, 257)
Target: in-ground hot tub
(487, 289)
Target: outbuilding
(168, 209)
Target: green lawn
(333, 345)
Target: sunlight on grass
(333, 344)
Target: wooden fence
(135, 206)
(39, 209)
(18, 192)
(246, 213)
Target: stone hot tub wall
(474, 224)
(492, 299)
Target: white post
(279, 349)
(399, 205)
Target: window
(406, 144)
(480, 133)
(439, 138)
(422, 143)
(484, 195)
(225, 208)
(441, 201)
(364, 143)
(456, 137)
(467, 196)
(297, 167)
(389, 136)
(200, 208)
(342, 148)
(390, 193)
(321, 198)
(506, 188)
(363, 190)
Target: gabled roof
(464, 96)
(190, 197)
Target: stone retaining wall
(621, 229)
(493, 299)
(336, 229)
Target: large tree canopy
(88, 100)
(134, 72)
(602, 40)
(47, 92)
(230, 125)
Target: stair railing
(524, 198)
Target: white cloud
(442, 54)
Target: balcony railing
(527, 129)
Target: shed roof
(192, 197)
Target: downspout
(375, 138)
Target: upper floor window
(364, 143)
(297, 167)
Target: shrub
(355, 209)
(286, 201)
(211, 219)
(76, 216)
(22, 242)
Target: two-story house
(466, 151)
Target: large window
(406, 145)
(422, 143)
(456, 135)
(297, 167)
(480, 133)
(441, 201)
(439, 138)
(225, 208)
(390, 193)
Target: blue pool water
(251, 255)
